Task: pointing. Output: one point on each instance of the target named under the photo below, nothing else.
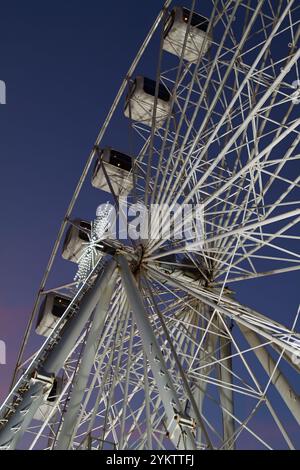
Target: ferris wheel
(154, 343)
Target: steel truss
(149, 356)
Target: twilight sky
(63, 63)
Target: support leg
(86, 363)
(226, 394)
(18, 421)
(172, 405)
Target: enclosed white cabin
(140, 102)
(118, 167)
(76, 240)
(52, 308)
(45, 409)
(198, 40)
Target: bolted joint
(185, 421)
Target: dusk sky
(63, 63)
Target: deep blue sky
(63, 62)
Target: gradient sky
(63, 63)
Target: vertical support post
(201, 387)
(181, 439)
(226, 394)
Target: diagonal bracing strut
(182, 439)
